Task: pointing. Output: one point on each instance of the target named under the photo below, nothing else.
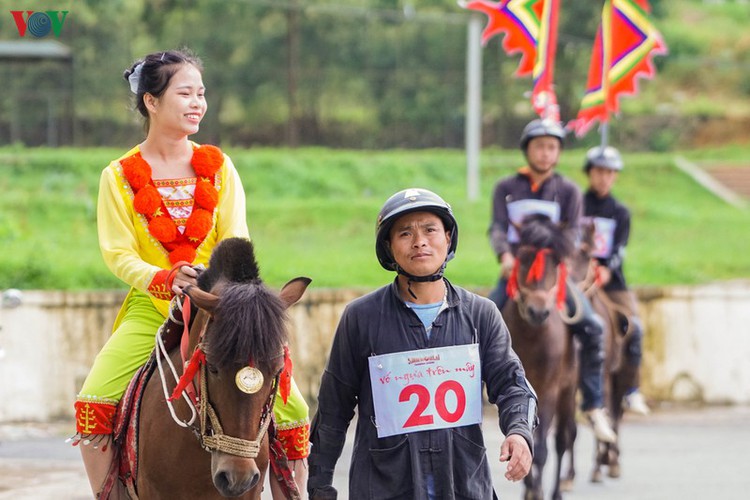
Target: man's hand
(516, 452)
(507, 261)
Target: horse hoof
(614, 471)
(596, 477)
(566, 485)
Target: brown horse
(544, 345)
(618, 374)
(237, 349)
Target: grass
(312, 212)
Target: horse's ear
(293, 291)
(204, 300)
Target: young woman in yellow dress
(163, 206)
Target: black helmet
(541, 128)
(607, 157)
(402, 203)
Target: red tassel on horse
(285, 379)
(562, 278)
(199, 357)
(512, 287)
(536, 271)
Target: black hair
(157, 71)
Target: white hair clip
(135, 78)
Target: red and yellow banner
(623, 51)
(519, 21)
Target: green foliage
(312, 212)
(353, 73)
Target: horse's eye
(212, 368)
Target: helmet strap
(420, 279)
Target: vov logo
(39, 23)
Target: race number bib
(604, 237)
(426, 389)
(517, 210)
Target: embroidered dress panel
(178, 197)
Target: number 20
(417, 417)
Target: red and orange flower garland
(206, 161)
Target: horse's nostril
(231, 486)
(538, 315)
(221, 481)
(254, 480)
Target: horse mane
(248, 327)
(233, 259)
(538, 231)
(249, 321)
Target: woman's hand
(185, 276)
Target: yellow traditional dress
(146, 228)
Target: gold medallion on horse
(249, 379)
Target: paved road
(676, 453)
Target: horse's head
(583, 266)
(537, 282)
(240, 328)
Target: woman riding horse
(163, 206)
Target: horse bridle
(210, 434)
(217, 440)
(517, 291)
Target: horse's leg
(533, 481)
(565, 437)
(621, 381)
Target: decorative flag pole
(520, 21)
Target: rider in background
(416, 236)
(612, 221)
(163, 206)
(537, 188)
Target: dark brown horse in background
(619, 375)
(544, 345)
(212, 440)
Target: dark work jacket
(610, 208)
(518, 187)
(394, 467)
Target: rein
(162, 351)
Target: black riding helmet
(606, 157)
(402, 203)
(541, 128)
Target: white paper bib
(517, 210)
(426, 389)
(604, 237)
